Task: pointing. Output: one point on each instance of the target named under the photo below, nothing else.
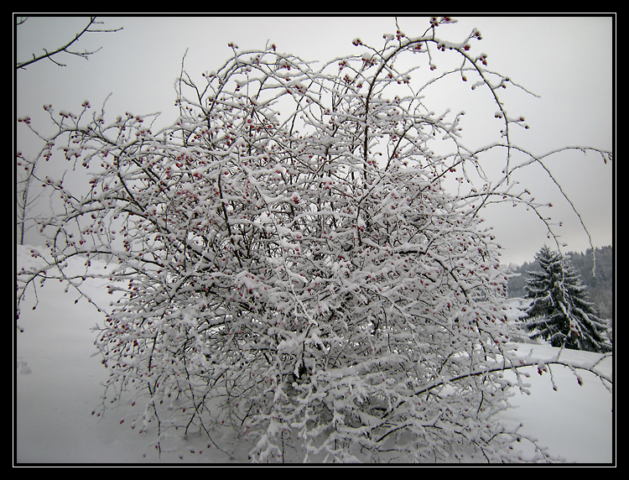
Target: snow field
(59, 383)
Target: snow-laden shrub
(286, 261)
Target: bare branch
(65, 48)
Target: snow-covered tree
(286, 262)
(560, 311)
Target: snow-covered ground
(58, 384)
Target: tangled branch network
(285, 262)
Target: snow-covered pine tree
(560, 311)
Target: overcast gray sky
(566, 61)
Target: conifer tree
(560, 311)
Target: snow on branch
(286, 265)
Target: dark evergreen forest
(599, 287)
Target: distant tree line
(599, 287)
